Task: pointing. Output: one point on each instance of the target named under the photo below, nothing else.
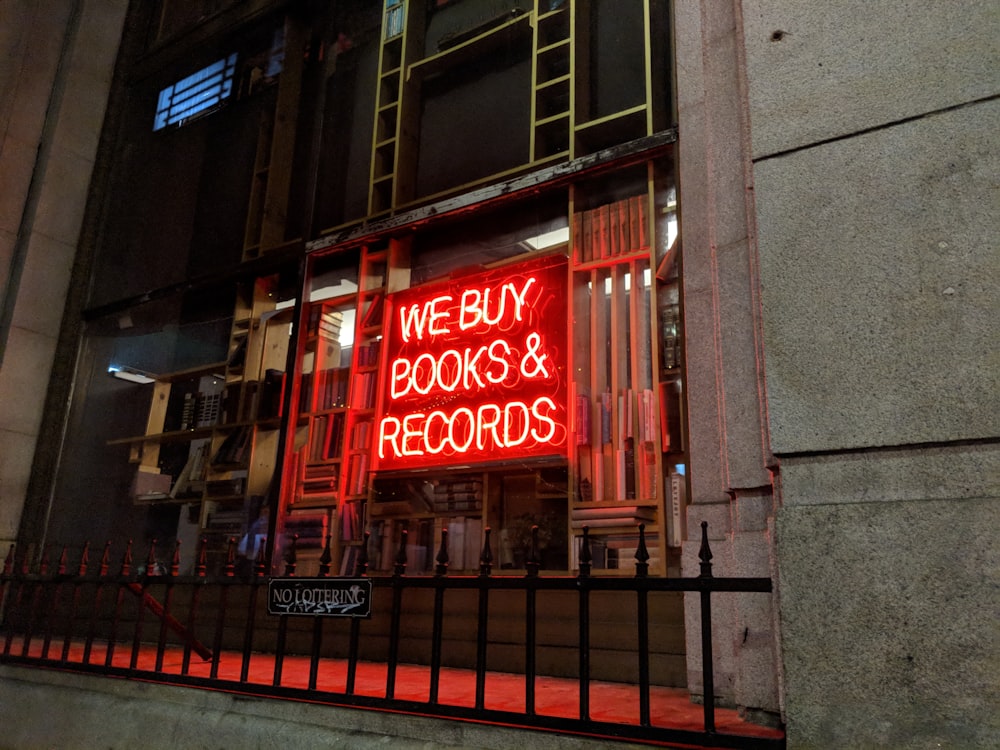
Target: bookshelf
(620, 460)
(339, 375)
(211, 437)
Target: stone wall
(873, 131)
(54, 84)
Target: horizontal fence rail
(194, 630)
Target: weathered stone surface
(888, 624)
(818, 70)
(881, 285)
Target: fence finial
(229, 569)
(705, 552)
(400, 567)
(152, 568)
(292, 556)
(442, 556)
(175, 561)
(486, 558)
(63, 556)
(105, 560)
(260, 567)
(126, 568)
(201, 568)
(361, 567)
(586, 558)
(532, 563)
(325, 559)
(81, 569)
(642, 554)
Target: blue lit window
(199, 92)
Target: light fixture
(129, 373)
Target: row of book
(226, 522)
(617, 551)
(632, 412)
(364, 389)
(326, 389)
(231, 487)
(394, 17)
(612, 515)
(235, 448)
(360, 434)
(368, 353)
(352, 520)
(423, 543)
(319, 481)
(312, 529)
(329, 325)
(357, 474)
(457, 495)
(622, 464)
(611, 230)
(326, 437)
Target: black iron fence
(150, 623)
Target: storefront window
(516, 370)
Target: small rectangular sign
(323, 597)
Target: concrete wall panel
(881, 285)
(820, 70)
(888, 622)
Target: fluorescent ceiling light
(130, 374)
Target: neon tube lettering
(409, 433)
(387, 435)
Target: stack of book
(611, 231)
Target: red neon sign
(477, 369)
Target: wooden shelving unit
(618, 462)
(562, 125)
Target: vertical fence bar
(352, 649)
(586, 559)
(81, 572)
(102, 574)
(199, 571)
(440, 573)
(485, 570)
(291, 563)
(123, 573)
(54, 603)
(8, 566)
(140, 613)
(36, 594)
(161, 641)
(18, 586)
(228, 572)
(399, 570)
(317, 640)
(708, 676)
(642, 620)
(258, 575)
(483, 619)
(531, 623)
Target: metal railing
(96, 621)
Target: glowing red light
(477, 369)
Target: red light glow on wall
(477, 370)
